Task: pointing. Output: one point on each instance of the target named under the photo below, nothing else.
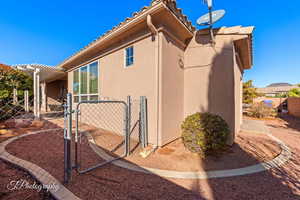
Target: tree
(249, 92)
(10, 79)
(294, 92)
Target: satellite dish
(216, 16)
(209, 3)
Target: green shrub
(261, 110)
(205, 133)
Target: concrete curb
(39, 173)
(284, 156)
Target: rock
(17, 123)
(5, 132)
(147, 151)
(10, 123)
(23, 123)
(37, 123)
(2, 126)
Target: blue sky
(47, 32)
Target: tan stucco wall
(238, 93)
(211, 80)
(172, 90)
(117, 82)
(70, 82)
(137, 80)
(54, 92)
(199, 78)
(294, 106)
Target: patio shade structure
(41, 75)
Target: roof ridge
(34, 64)
(171, 4)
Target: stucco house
(159, 54)
(276, 89)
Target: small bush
(205, 133)
(261, 110)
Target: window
(85, 83)
(83, 80)
(129, 53)
(93, 78)
(76, 82)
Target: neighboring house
(294, 106)
(276, 89)
(53, 85)
(157, 53)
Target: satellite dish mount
(210, 18)
(209, 4)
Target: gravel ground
(275, 184)
(9, 174)
(111, 182)
(249, 149)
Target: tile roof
(5, 67)
(171, 4)
(39, 66)
(239, 30)
(277, 89)
(234, 30)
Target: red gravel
(111, 182)
(8, 173)
(249, 149)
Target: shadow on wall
(221, 86)
(220, 95)
(221, 100)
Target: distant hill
(279, 85)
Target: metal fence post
(67, 140)
(143, 121)
(76, 138)
(128, 119)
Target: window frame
(125, 57)
(88, 95)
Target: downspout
(155, 32)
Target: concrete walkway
(254, 126)
(248, 126)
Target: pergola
(42, 74)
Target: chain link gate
(104, 117)
(110, 115)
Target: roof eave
(114, 33)
(156, 7)
(244, 45)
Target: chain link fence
(107, 123)
(115, 126)
(19, 107)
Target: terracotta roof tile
(171, 4)
(5, 67)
